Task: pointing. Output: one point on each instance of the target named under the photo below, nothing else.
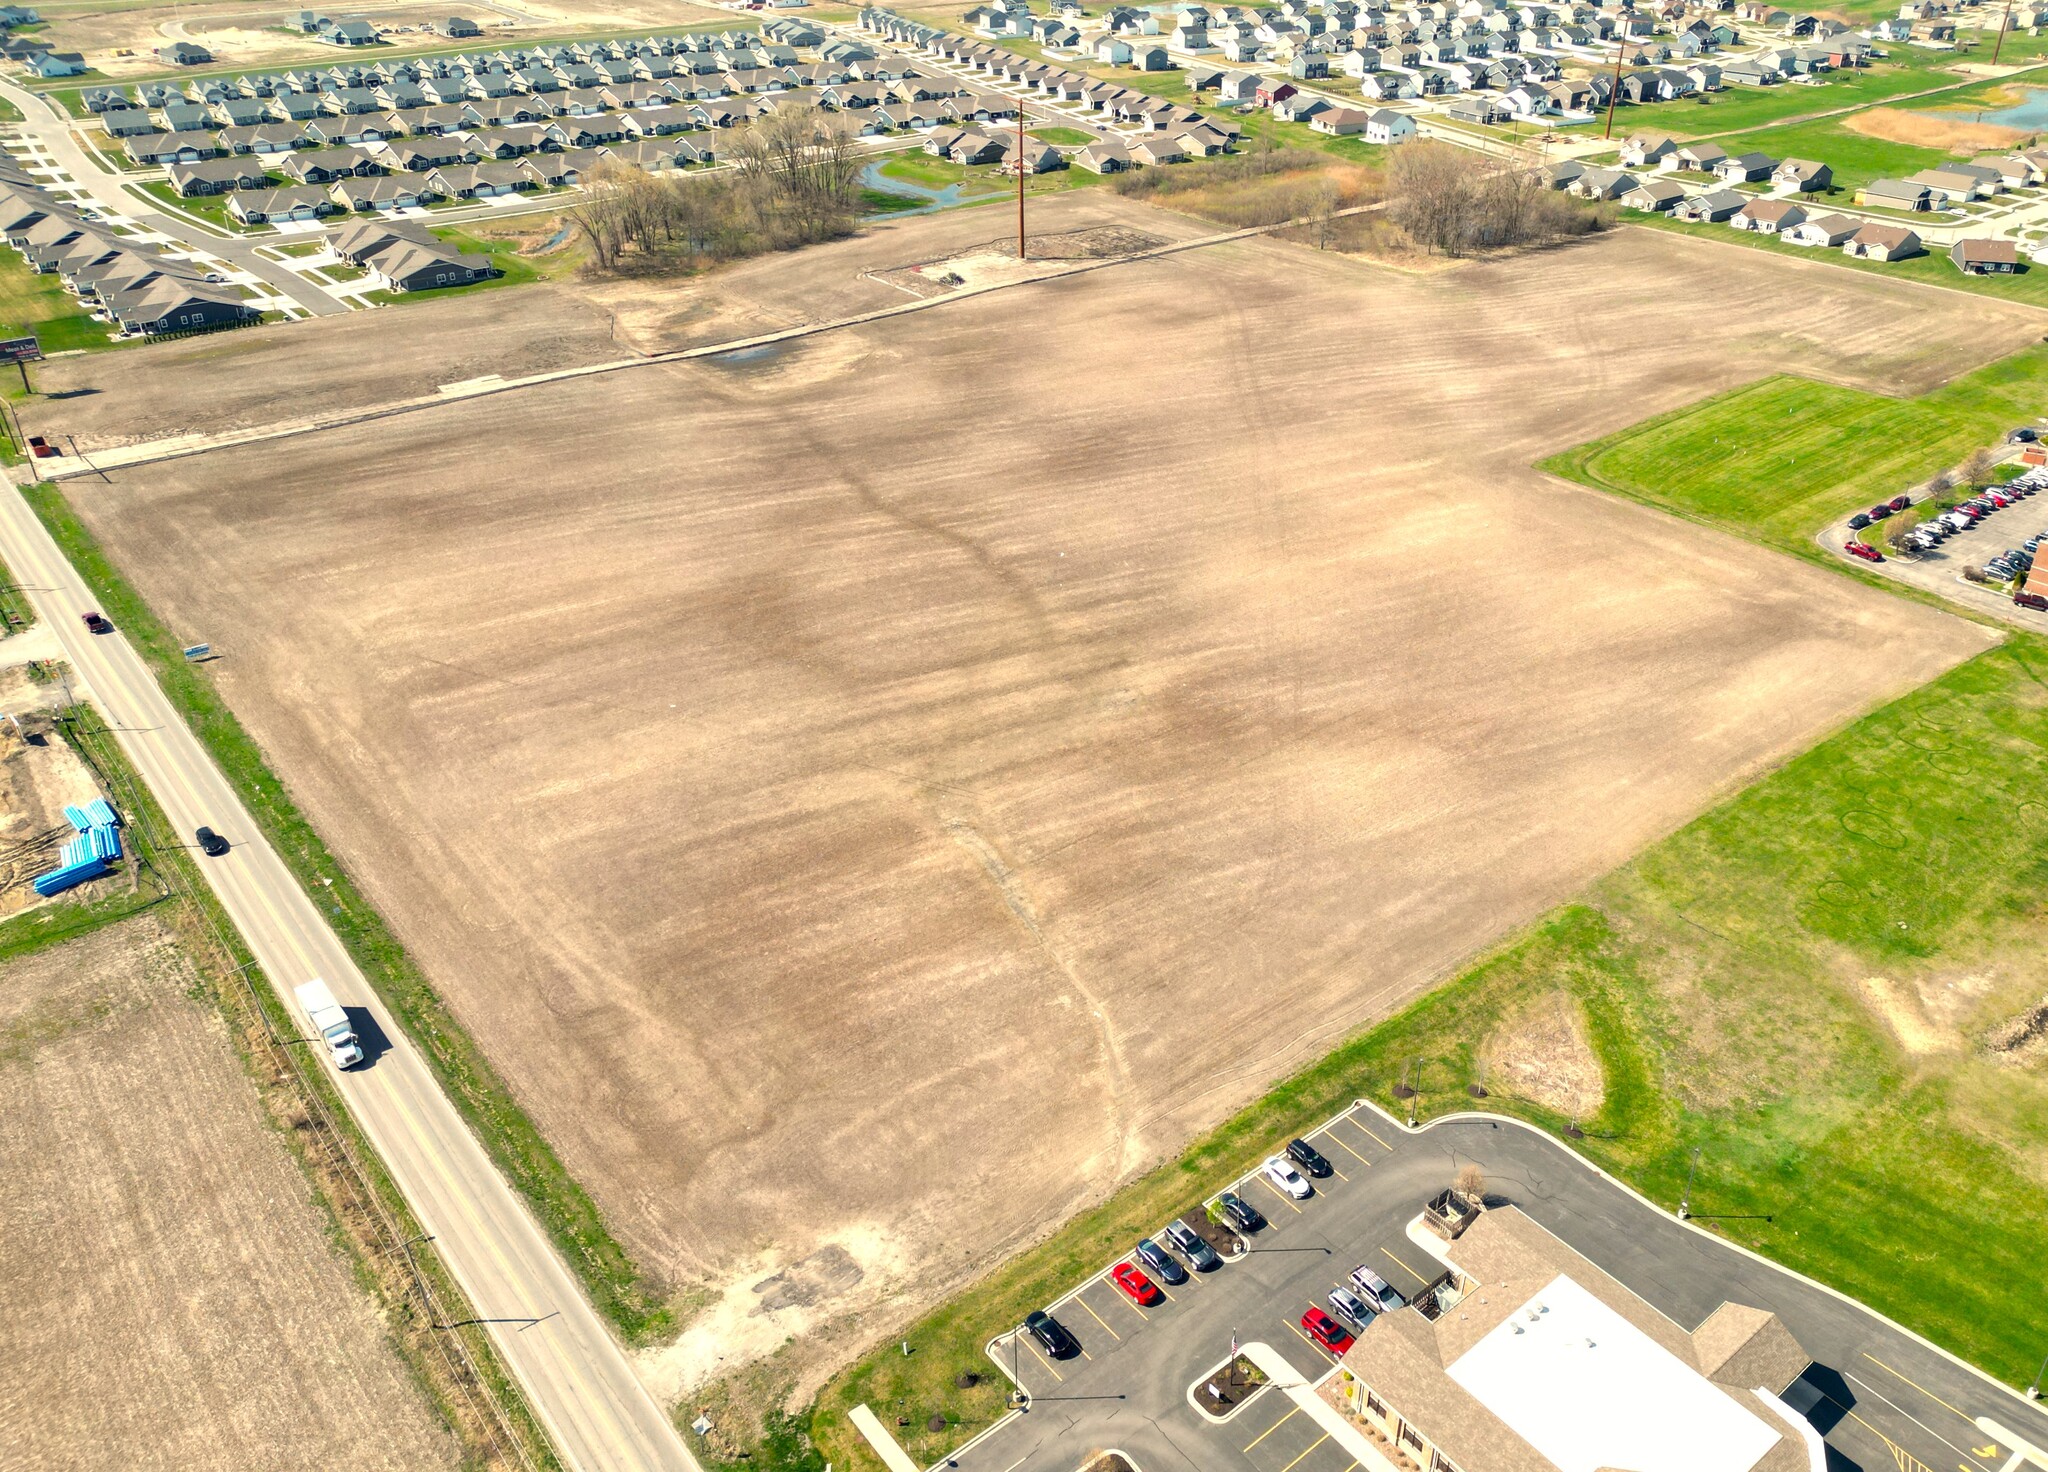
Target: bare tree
(600, 215)
(1453, 201)
(1977, 469)
(803, 169)
(1471, 1182)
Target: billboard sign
(20, 349)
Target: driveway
(1884, 1401)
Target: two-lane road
(576, 1377)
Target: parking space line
(1291, 1414)
(1383, 1144)
(1304, 1338)
(1279, 1195)
(1043, 1360)
(1132, 1304)
(1331, 1136)
(1098, 1318)
(1408, 1270)
(1311, 1447)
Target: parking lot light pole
(2034, 1390)
(1685, 1199)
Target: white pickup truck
(330, 1022)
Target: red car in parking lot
(1326, 1331)
(1864, 550)
(1142, 1290)
(1900, 503)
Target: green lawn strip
(1737, 109)
(1932, 267)
(1855, 159)
(1063, 137)
(213, 945)
(53, 924)
(9, 113)
(16, 612)
(1780, 458)
(30, 302)
(571, 1219)
(1716, 976)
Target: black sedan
(211, 843)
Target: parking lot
(1884, 1401)
(1939, 570)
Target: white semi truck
(330, 1022)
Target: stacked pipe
(89, 855)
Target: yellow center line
(1331, 1136)
(1098, 1318)
(1919, 1387)
(1312, 1446)
(1408, 1270)
(1274, 1427)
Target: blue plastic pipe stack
(89, 855)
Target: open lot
(173, 1299)
(848, 791)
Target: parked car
(1349, 1305)
(211, 843)
(1200, 1255)
(1051, 1334)
(1999, 499)
(2021, 436)
(1880, 511)
(1900, 503)
(1287, 1178)
(1308, 1158)
(2031, 600)
(1859, 521)
(96, 623)
(1865, 551)
(1142, 1290)
(1160, 1261)
(1375, 1290)
(1326, 1331)
(1239, 1212)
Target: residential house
(1710, 208)
(1981, 257)
(216, 176)
(1769, 216)
(183, 53)
(1897, 194)
(1339, 122)
(1384, 125)
(1602, 184)
(1104, 156)
(1154, 151)
(169, 148)
(1699, 158)
(1882, 243)
(457, 28)
(1648, 150)
(1654, 196)
(1803, 176)
(1745, 168)
(268, 206)
(1821, 230)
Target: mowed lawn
(1737, 108)
(1800, 983)
(40, 304)
(1855, 159)
(1783, 457)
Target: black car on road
(211, 843)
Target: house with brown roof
(1882, 243)
(1980, 257)
(1529, 1357)
(1769, 216)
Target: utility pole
(1685, 1200)
(1020, 175)
(2003, 22)
(1614, 91)
(2034, 1390)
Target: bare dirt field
(119, 38)
(871, 797)
(39, 774)
(172, 1299)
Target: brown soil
(172, 1298)
(1934, 130)
(2023, 1038)
(806, 758)
(1542, 1054)
(39, 774)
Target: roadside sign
(199, 651)
(20, 349)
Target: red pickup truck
(96, 622)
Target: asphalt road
(574, 1374)
(1884, 1401)
(47, 122)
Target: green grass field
(1855, 159)
(40, 304)
(1741, 109)
(1781, 458)
(1723, 983)
(1063, 137)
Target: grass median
(1825, 984)
(634, 1305)
(1783, 457)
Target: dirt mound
(2022, 1038)
(1542, 1054)
(1954, 132)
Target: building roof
(1549, 1364)
(1994, 252)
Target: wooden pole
(2004, 22)
(1614, 91)
(1020, 176)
